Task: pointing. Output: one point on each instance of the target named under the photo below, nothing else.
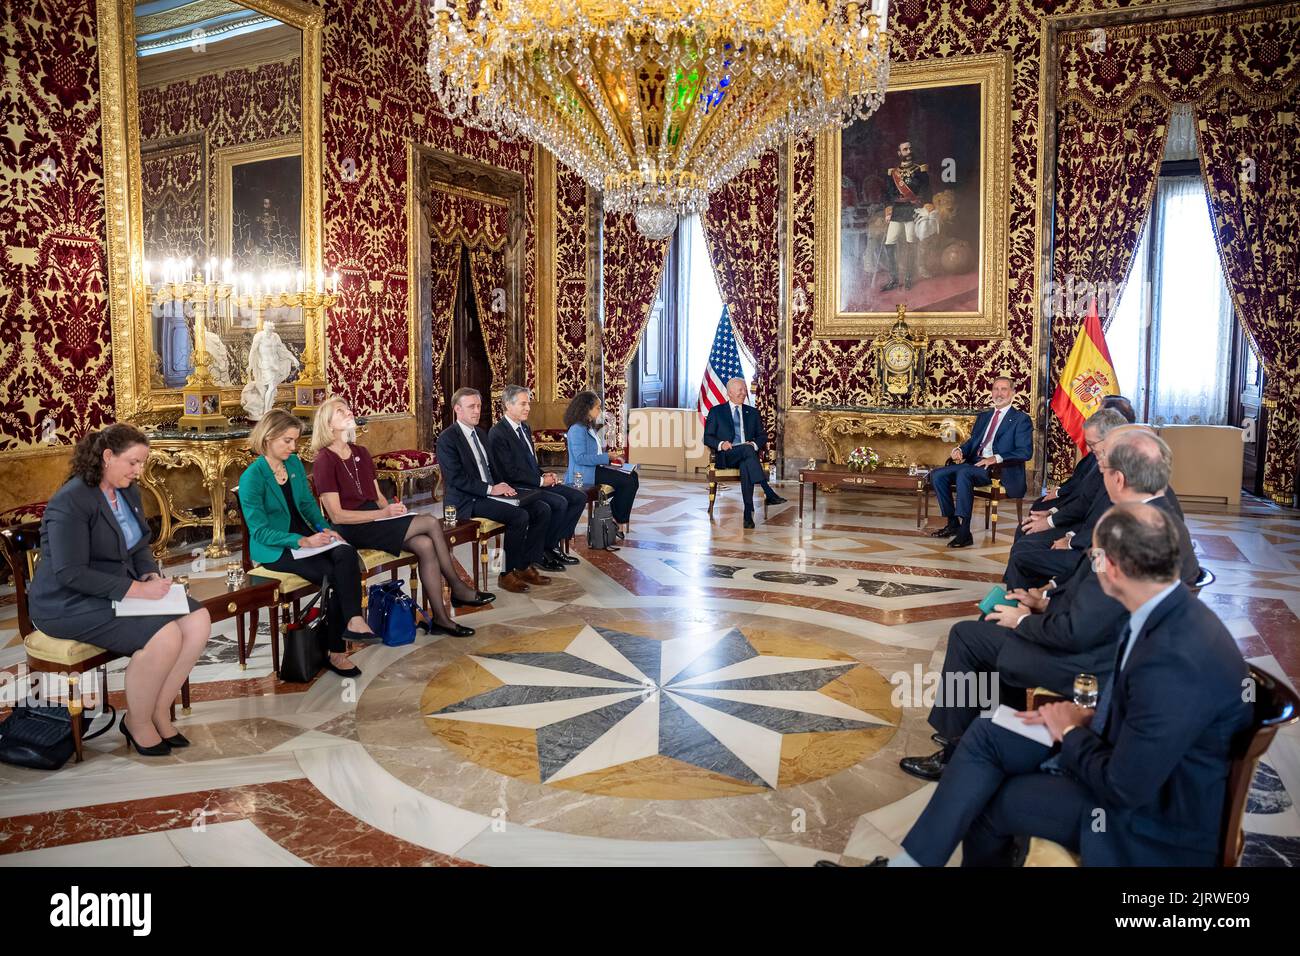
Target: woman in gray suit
(94, 551)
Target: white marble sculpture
(269, 363)
(218, 357)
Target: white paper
(308, 552)
(173, 602)
(1004, 716)
(391, 517)
(503, 499)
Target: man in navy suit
(734, 431)
(1135, 465)
(1075, 634)
(1002, 436)
(475, 492)
(1142, 780)
(513, 459)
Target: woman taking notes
(345, 479)
(282, 515)
(94, 551)
(587, 456)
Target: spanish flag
(1087, 378)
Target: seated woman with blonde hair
(94, 551)
(349, 490)
(282, 515)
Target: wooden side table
(223, 601)
(465, 531)
(882, 479)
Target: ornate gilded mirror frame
(136, 396)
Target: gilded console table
(938, 429)
(213, 454)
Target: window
(684, 318)
(1171, 337)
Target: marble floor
(703, 696)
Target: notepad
(308, 552)
(173, 602)
(391, 517)
(1004, 716)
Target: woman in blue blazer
(95, 551)
(587, 456)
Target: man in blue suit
(1142, 780)
(734, 431)
(1002, 436)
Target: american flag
(724, 365)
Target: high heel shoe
(177, 739)
(480, 599)
(159, 749)
(456, 630)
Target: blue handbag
(391, 613)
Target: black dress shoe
(749, 521)
(550, 564)
(963, 540)
(947, 531)
(775, 499)
(558, 555)
(927, 768)
(160, 749)
(353, 671)
(940, 739)
(456, 630)
(362, 637)
(878, 861)
(177, 739)
(481, 598)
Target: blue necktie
(527, 444)
(735, 417)
(1107, 696)
(481, 456)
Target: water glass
(1086, 690)
(449, 515)
(577, 480)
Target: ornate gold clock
(900, 362)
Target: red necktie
(993, 426)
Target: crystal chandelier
(658, 102)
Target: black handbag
(305, 640)
(41, 737)
(602, 530)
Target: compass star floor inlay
(613, 710)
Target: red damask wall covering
(55, 364)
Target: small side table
(223, 601)
(463, 532)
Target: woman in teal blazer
(282, 515)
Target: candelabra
(201, 394)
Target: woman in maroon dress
(344, 476)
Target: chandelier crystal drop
(657, 103)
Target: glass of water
(1085, 690)
(577, 480)
(449, 515)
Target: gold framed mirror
(212, 120)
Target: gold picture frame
(990, 76)
(136, 397)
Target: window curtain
(444, 278)
(633, 267)
(1239, 69)
(1251, 161)
(742, 231)
(1191, 336)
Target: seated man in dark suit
(549, 501)
(1002, 436)
(1067, 510)
(734, 431)
(1139, 782)
(472, 489)
(1140, 473)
